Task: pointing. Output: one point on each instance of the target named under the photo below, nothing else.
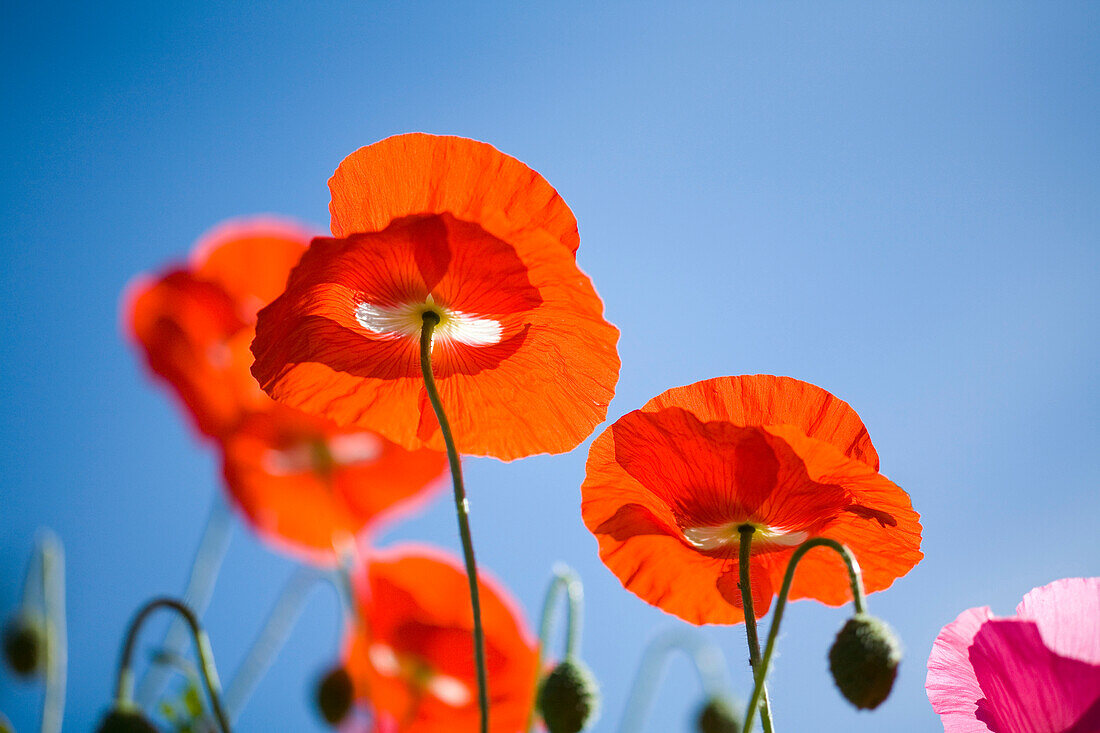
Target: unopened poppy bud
(24, 645)
(569, 698)
(334, 695)
(864, 660)
(718, 716)
(126, 721)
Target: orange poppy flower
(412, 657)
(304, 483)
(194, 323)
(668, 485)
(524, 361)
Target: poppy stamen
(765, 537)
(407, 319)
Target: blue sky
(897, 202)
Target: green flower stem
(200, 586)
(855, 579)
(124, 687)
(761, 699)
(708, 660)
(52, 557)
(462, 507)
(284, 614)
(565, 578)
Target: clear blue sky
(898, 202)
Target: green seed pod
(335, 694)
(864, 661)
(25, 645)
(719, 715)
(126, 721)
(569, 698)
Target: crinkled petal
(413, 174)
(764, 399)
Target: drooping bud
(864, 660)
(719, 715)
(569, 698)
(25, 645)
(121, 720)
(335, 694)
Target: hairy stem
(462, 508)
(855, 579)
(744, 552)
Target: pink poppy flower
(1035, 672)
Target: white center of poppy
(447, 689)
(407, 319)
(347, 449)
(354, 448)
(725, 535)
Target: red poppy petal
(763, 399)
(250, 259)
(413, 660)
(304, 483)
(417, 173)
(187, 330)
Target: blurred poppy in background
(302, 482)
(194, 323)
(669, 485)
(411, 656)
(305, 484)
(523, 358)
(1035, 672)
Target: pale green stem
(462, 507)
(124, 686)
(565, 578)
(744, 553)
(200, 586)
(284, 614)
(855, 580)
(708, 660)
(52, 556)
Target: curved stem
(462, 507)
(855, 579)
(284, 614)
(124, 687)
(565, 578)
(52, 557)
(200, 586)
(744, 552)
(708, 660)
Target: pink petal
(952, 686)
(1068, 615)
(1026, 687)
